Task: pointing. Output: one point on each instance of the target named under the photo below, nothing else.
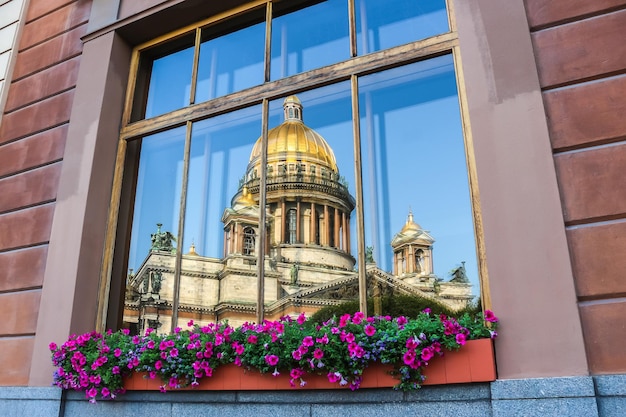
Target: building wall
(32, 139)
(581, 61)
(531, 128)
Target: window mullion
(352, 23)
(268, 42)
(194, 71)
(260, 307)
(181, 227)
(360, 232)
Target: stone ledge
(538, 388)
(610, 385)
(30, 393)
(545, 407)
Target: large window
(282, 158)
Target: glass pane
(231, 62)
(157, 196)
(170, 82)
(382, 24)
(220, 151)
(310, 38)
(418, 214)
(310, 194)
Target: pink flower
(401, 321)
(126, 331)
(174, 353)
(323, 339)
(296, 373)
(370, 330)
(490, 317)
(296, 354)
(460, 339)
(190, 323)
(358, 317)
(271, 360)
(91, 392)
(408, 357)
(252, 339)
(150, 344)
(343, 320)
(426, 310)
(158, 365)
(318, 353)
(117, 352)
(307, 341)
(115, 370)
(412, 343)
(333, 377)
(52, 346)
(301, 318)
(106, 392)
(427, 354)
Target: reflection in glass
(231, 63)
(418, 214)
(157, 196)
(220, 150)
(310, 38)
(383, 24)
(170, 81)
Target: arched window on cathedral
(248, 241)
(291, 226)
(419, 261)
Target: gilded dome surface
(293, 141)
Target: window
(218, 145)
(248, 241)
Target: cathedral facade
(308, 259)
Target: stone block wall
(581, 61)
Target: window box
(474, 362)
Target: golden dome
(293, 141)
(410, 225)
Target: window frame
(348, 70)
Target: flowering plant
(340, 348)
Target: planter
(474, 362)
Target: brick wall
(581, 59)
(32, 139)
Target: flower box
(474, 362)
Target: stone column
(326, 226)
(336, 226)
(298, 218)
(283, 217)
(312, 230)
(343, 230)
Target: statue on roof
(459, 275)
(162, 241)
(369, 255)
(294, 273)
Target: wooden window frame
(348, 70)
